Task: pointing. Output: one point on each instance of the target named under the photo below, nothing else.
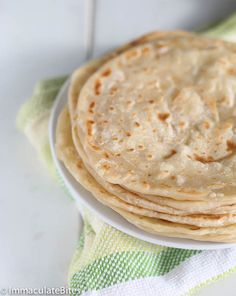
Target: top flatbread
(160, 118)
(158, 203)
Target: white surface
(84, 197)
(120, 21)
(38, 223)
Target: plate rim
(105, 213)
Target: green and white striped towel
(108, 262)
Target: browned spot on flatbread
(204, 159)
(97, 87)
(164, 185)
(89, 127)
(163, 116)
(145, 184)
(106, 166)
(91, 107)
(181, 124)
(176, 94)
(79, 165)
(128, 134)
(145, 50)
(106, 155)
(141, 146)
(106, 73)
(231, 72)
(210, 217)
(138, 41)
(231, 146)
(173, 152)
(158, 45)
(131, 54)
(206, 125)
(95, 148)
(137, 124)
(113, 90)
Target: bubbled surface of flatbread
(158, 203)
(160, 118)
(203, 227)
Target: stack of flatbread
(150, 131)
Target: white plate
(106, 214)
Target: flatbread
(158, 203)
(173, 135)
(169, 229)
(67, 153)
(206, 212)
